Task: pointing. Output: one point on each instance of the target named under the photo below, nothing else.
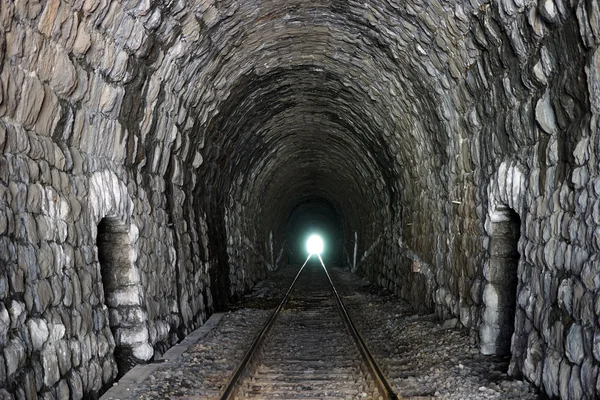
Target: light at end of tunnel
(314, 244)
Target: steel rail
(384, 386)
(231, 388)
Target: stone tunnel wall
(528, 103)
(73, 151)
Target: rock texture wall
(80, 83)
(198, 126)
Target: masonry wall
(525, 136)
(72, 154)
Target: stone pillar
(123, 295)
(499, 294)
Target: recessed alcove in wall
(500, 290)
(120, 282)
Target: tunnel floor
(421, 356)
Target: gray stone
(575, 389)
(596, 346)
(574, 344)
(545, 116)
(38, 331)
(42, 296)
(28, 384)
(564, 379)
(62, 391)
(565, 295)
(75, 348)
(17, 314)
(35, 198)
(4, 324)
(3, 376)
(64, 78)
(2, 137)
(532, 365)
(550, 374)
(14, 356)
(590, 275)
(63, 353)
(589, 373)
(578, 295)
(75, 386)
(50, 365)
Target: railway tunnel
(161, 158)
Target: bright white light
(314, 245)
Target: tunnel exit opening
(314, 216)
(500, 290)
(120, 282)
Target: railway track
(309, 348)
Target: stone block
(109, 370)
(64, 75)
(574, 344)
(38, 331)
(18, 197)
(550, 375)
(545, 116)
(590, 275)
(127, 316)
(75, 348)
(75, 385)
(30, 104)
(119, 274)
(4, 324)
(131, 336)
(49, 114)
(63, 353)
(48, 17)
(125, 296)
(42, 296)
(50, 366)
(82, 41)
(575, 389)
(487, 335)
(532, 366)
(62, 391)
(588, 378)
(565, 295)
(14, 356)
(57, 290)
(142, 351)
(17, 314)
(28, 384)
(3, 375)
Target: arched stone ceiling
(314, 97)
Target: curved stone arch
(503, 224)
(506, 189)
(116, 237)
